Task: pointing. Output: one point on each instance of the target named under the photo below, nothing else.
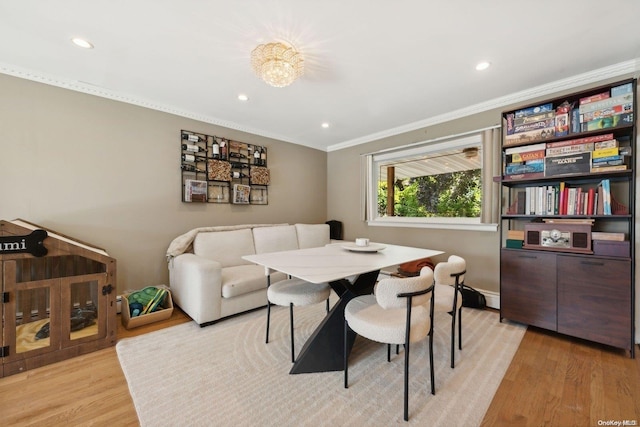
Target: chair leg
(327, 305)
(292, 340)
(406, 381)
(268, 318)
(346, 355)
(388, 352)
(460, 328)
(433, 376)
(453, 338)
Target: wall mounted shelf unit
(219, 170)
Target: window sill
(433, 223)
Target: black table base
(324, 350)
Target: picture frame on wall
(241, 194)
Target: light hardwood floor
(553, 380)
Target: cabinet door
(594, 299)
(528, 287)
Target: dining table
(351, 270)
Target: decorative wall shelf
(219, 170)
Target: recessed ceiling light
(483, 65)
(243, 97)
(325, 125)
(82, 43)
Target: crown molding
(102, 92)
(627, 67)
(616, 70)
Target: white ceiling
(374, 68)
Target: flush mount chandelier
(277, 64)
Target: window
(435, 184)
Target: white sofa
(208, 278)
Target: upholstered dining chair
(294, 292)
(448, 280)
(400, 312)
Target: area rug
(225, 375)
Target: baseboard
(493, 298)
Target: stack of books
(607, 109)
(530, 124)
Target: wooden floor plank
(553, 380)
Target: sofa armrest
(196, 286)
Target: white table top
(334, 262)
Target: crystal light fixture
(277, 64)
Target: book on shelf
(578, 163)
(594, 98)
(605, 152)
(533, 118)
(526, 148)
(616, 168)
(570, 149)
(608, 122)
(519, 168)
(623, 99)
(596, 138)
(527, 127)
(606, 186)
(515, 234)
(530, 136)
(622, 89)
(544, 108)
(606, 112)
(605, 144)
(523, 176)
(601, 235)
(587, 221)
(526, 156)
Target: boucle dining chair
(448, 278)
(294, 292)
(400, 312)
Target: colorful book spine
(523, 176)
(626, 98)
(605, 152)
(534, 110)
(545, 124)
(528, 155)
(594, 98)
(597, 138)
(524, 168)
(570, 149)
(525, 148)
(533, 119)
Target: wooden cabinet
(57, 304)
(567, 259)
(594, 299)
(528, 286)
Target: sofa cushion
(274, 239)
(243, 279)
(226, 247)
(312, 235)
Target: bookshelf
(567, 260)
(219, 170)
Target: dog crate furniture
(58, 297)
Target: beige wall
(107, 173)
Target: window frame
(472, 139)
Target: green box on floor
(514, 244)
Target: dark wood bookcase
(567, 257)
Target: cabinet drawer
(594, 299)
(528, 288)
